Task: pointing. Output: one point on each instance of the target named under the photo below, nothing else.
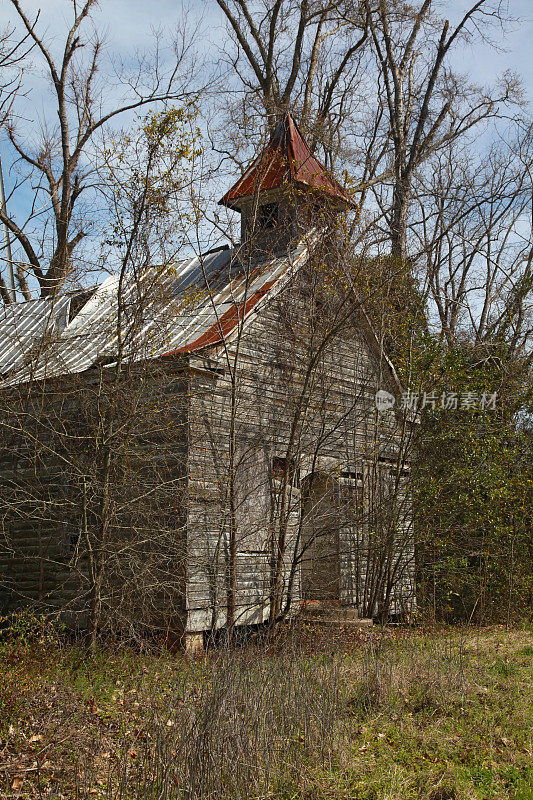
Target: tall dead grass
(251, 722)
(254, 723)
(245, 727)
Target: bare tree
(422, 105)
(61, 164)
(472, 217)
(294, 55)
(282, 77)
(13, 51)
(370, 81)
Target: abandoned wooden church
(200, 447)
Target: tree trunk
(99, 560)
(400, 210)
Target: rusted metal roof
(196, 304)
(286, 159)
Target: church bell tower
(284, 193)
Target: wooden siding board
(350, 379)
(34, 565)
(270, 372)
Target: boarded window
(351, 490)
(267, 216)
(282, 467)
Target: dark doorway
(320, 539)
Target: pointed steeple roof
(286, 159)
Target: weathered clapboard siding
(336, 437)
(339, 431)
(290, 456)
(337, 434)
(48, 434)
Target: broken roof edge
(226, 327)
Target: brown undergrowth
(320, 712)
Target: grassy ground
(320, 714)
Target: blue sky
(128, 21)
(127, 24)
(484, 63)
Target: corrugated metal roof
(195, 304)
(25, 326)
(287, 158)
